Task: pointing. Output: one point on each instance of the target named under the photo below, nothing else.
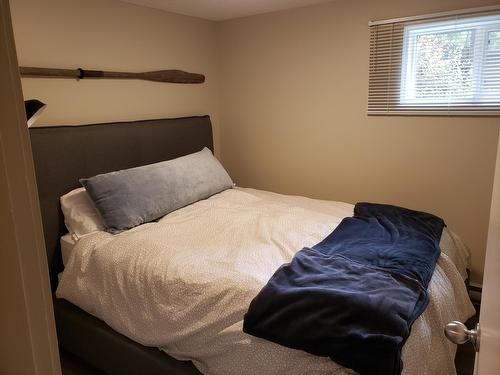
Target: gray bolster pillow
(134, 196)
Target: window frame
(486, 48)
(479, 47)
(387, 75)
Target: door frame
(487, 360)
(29, 341)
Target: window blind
(440, 64)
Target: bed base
(89, 338)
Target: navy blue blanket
(354, 296)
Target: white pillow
(80, 215)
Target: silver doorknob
(458, 333)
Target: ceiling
(219, 10)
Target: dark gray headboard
(63, 154)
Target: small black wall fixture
(33, 108)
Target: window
(436, 65)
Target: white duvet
(183, 284)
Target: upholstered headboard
(63, 154)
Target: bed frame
(62, 155)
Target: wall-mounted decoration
(170, 75)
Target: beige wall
(287, 93)
(294, 95)
(110, 35)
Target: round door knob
(458, 333)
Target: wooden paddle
(172, 75)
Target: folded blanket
(354, 296)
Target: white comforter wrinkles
(183, 284)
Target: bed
(64, 154)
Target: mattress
(184, 283)
(67, 244)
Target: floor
(72, 365)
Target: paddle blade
(173, 76)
